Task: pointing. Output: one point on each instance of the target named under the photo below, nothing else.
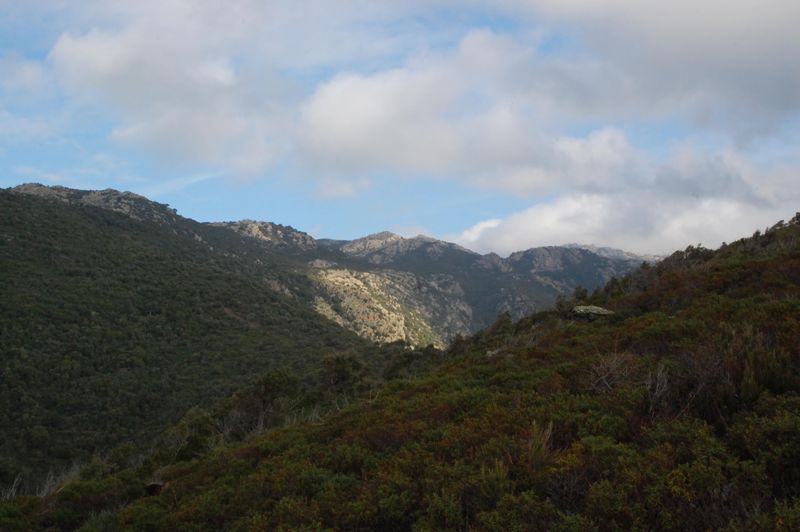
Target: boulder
(590, 312)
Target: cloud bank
(634, 123)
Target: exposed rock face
(564, 268)
(612, 253)
(487, 285)
(591, 312)
(553, 258)
(362, 247)
(493, 261)
(387, 305)
(272, 234)
(385, 248)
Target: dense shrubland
(679, 412)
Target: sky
(500, 125)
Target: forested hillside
(118, 315)
(679, 411)
(112, 327)
(384, 287)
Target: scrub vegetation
(680, 411)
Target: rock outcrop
(387, 305)
(590, 312)
(271, 234)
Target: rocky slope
(389, 305)
(273, 235)
(383, 286)
(454, 290)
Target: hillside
(113, 324)
(679, 411)
(438, 290)
(384, 287)
(118, 315)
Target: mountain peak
(370, 243)
(614, 253)
(271, 233)
(387, 236)
(127, 203)
(59, 192)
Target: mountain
(275, 236)
(413, 274)
(674, 406)
(119, 315)
(384, 287)
(127, 203)
(613, 253)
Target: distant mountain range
(383, 286)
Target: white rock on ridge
(370, 243)
(591, 311)
(271, 233)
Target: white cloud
(216, 82)
(690, 198)
(175, 99)
(475, 233)
(729, 64)
(391, 120)
(710, 28)
(643, 222)
(201, 80)
(451, 115)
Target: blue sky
(501, 125)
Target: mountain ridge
(383, 286)
(117, 200)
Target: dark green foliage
(112, 328)
(678, 412)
